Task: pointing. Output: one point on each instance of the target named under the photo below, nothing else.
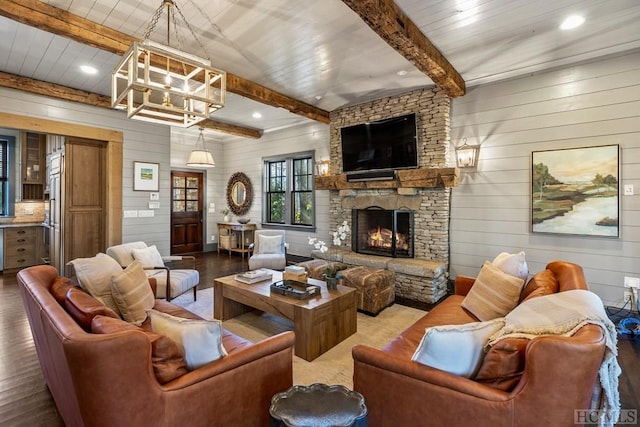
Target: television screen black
(383, 144)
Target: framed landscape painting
(145, 176)
(576, 191)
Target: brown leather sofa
(552, 376)
(108, 379)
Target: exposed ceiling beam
(69, 94)
(389, 22)
(230, 129)
(65, 24)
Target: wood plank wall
(246, 155)
(589, 104)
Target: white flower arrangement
(339, 236)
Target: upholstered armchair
(170, 282)
(269, 250)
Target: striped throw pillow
(494, 293)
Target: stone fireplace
(383, 232)
(421, 270)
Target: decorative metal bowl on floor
(318, 405)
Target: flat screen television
(383, 144)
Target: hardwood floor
(25, 399)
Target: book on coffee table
(254, 276)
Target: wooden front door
(186, 212)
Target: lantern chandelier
(157, 83)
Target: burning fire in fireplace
(381, 237)
(383, 232)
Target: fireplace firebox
(377, 231)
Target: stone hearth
(416, 279)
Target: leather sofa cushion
(83, 308)
(542, 283)
(167, 358)
(503, 364)
(60, 287)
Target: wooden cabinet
(235, 237)
(33, 147)
(21, 246)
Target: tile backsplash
(27, 212)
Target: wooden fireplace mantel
(407, 178)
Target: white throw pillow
(457, 349)
(94, 276)
(513, 264)
(201, 340)
(270, 244)
(493, 294)
(132, 293)
(149, 257)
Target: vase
(332, 283)
(226, 218)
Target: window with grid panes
(185, 194)
(289, 198)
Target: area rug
(333, 367)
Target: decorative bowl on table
(244, 220)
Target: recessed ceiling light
(402, 73)
(318, 97)
(256, 115)
(572, 22)
(88, 69)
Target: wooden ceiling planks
(66, 24)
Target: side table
(233, 228)
(318, 405)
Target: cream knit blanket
(563, 313)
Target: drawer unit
(19, 247)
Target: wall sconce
(467, 155)
(322, 167)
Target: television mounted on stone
(383, 144)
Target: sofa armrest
(426, 374)
(463, 284)
(261, 349)
(174, 258)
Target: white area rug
(333, 367)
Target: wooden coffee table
(320, 322)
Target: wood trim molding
(409, 178)
(389, 22)
(62, 23)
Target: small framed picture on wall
(145, 176)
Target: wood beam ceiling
(69, 94)
(65, 24)
(389, 22)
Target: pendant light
(200, 157)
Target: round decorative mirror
(239, 193)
